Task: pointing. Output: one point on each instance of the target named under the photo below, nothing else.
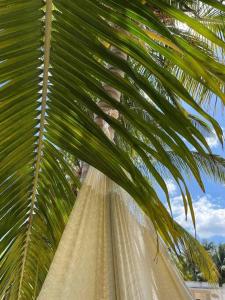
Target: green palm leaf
(54, 59)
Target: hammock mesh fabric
(109, 251)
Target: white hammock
(108, 251)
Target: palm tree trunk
(106, 107)
(111, 92)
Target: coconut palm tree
(55, 61)
(190, 271)
(218, 255)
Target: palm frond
(54, 59)
(211, 165)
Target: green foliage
(191, 272)
(54, 58)
(219, 258)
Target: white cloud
(210, 217)
(171, 186)
(213, 141)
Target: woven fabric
(109, 251)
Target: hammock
(109, 251)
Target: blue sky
(210, 206)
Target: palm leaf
(210, 164)
(54, 59)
